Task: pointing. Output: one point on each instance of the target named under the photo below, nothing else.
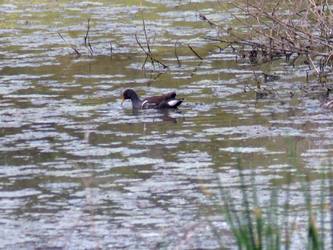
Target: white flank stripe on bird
(144, 102)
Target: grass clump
(279, 224)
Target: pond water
(80, 171)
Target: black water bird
(165, 101)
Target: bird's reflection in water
(161, 114)
(166, 117)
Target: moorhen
(166, 101)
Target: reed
(276, 224)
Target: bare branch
(71, 45)
(194, 52)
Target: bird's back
(167, 100)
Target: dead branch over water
(87, 43)
(73, 47)
(194, 52)
(291, 29)
(148, 52)
(149, 55)
(87, 40)
(176, 54)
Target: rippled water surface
(80, 171)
